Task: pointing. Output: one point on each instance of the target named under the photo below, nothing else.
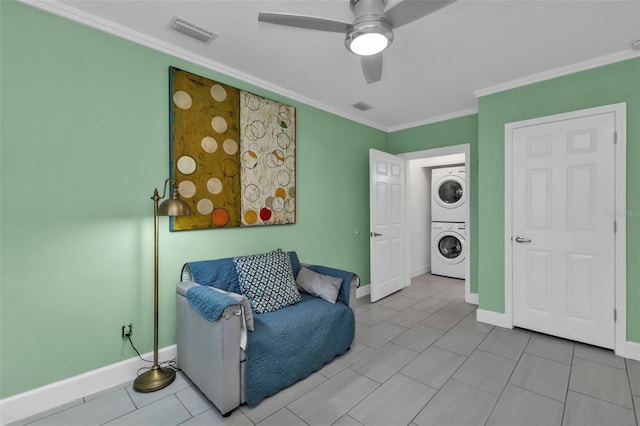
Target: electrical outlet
(127, 331)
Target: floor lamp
(160, 377)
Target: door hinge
(615, 315)
(615, 226)
(615, 138)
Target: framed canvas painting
(233, 155)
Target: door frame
(621, 348)
(440, 152)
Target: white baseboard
(420, 270)
(493, 318)
(363, 290)
(629, 350)
(472, 298)
(45, 398)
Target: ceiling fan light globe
(369, 44)
(369, 37)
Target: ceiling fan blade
(303, 21)
(412, 10)
(372, 67)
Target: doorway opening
(418, 200)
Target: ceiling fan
(371, 31)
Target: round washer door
(450, 247)
(449, 192)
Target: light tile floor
(419, 358)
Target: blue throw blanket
(219, 273)
(291, 343)
(208, 302)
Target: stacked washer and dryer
(448, 222)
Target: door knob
(375, 234)
(521, 239)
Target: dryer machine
(448, 194)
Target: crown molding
(432, 120)
(559, 72)
(65, 11)
(68, 12)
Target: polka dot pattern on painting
(230, 146)
(214, 186)
(209, 144)
(218, 93)
(182, 100)
(187, 189)
(186, 165)
(205, 206)
(205, 150)
(219, 124)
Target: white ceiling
(431, 70)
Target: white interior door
(389, 262)
(563, 242)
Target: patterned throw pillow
(267, 280)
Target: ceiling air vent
(362, 106)
(192, 30)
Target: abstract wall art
(268, 161)
(233, 155)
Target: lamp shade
(173, 206)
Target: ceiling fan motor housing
(367, 7)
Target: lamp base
(155, 379)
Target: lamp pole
(159, 377)
(156, 221)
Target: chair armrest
(209, 351)
(184, 286)
(349, 281)
(207, 301)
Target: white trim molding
(363, 290)
(431, 120)
(494, 318)
(559, 72)
(421, 270)
(629, 350)
(69, 12)
(75, 388)
(73, 14)
(472, 298)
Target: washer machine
(448, 194)
(448, 249)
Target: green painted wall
(619, 82)
(84, 141)
(456, 131)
